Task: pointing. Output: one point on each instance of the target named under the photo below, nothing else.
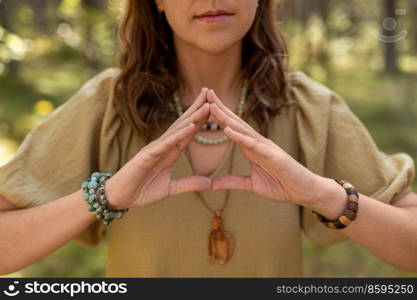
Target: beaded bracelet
(350, 212)
(98, 205)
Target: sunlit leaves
(7, 149)
(12, 46)
(43, 107)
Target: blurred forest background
(364, 50)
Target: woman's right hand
(146, 178)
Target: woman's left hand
(274, 173)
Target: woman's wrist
(330, 198)
(112, 201)
(95, 195)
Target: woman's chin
(214, 46)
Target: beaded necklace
(221, 242)
(213, 126)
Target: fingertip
(230, 133)
(210, 95)
(205, 107)
(203, 90)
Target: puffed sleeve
(334, 143)
(61, 152)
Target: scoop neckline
(220, 166)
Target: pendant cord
(200, 196)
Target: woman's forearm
(30, 234)
(388, 231)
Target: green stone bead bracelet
(95, 197)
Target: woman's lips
(215, 18)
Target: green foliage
(72, 260)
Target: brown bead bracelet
(350, 212)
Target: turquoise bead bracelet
(95, 197)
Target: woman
(186, 63)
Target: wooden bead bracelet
(350, 212)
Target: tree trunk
(7, 15)
(391, 52)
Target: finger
(232, 182)
(213, 98)
(189, 184)
(197, 128)
(237, 126)
(153, 153)
(167, 141)
(198, 118)
(249, 143)
(201, 99)
(225, 120)
(202, 113)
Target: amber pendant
(221, 243)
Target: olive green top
(170, 238)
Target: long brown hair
(148, 68)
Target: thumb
(232, 182)
(189, 184)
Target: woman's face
(230, 20)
